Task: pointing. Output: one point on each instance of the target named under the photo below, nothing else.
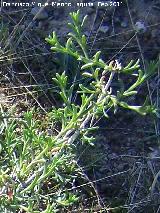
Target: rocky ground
(125, 158)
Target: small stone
(124, 23)
(41, 24)
(132, 152)
(87, 33)
(154, 153)
(23, 27)
(140, 27)
(40, 14)
(104, 29)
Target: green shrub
(38, 167)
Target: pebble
(22, 27)
(124, 23)
(86, 33)
(104, 29)
(140, 27)
(154, 153)
(40, 15)
(41, 24)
